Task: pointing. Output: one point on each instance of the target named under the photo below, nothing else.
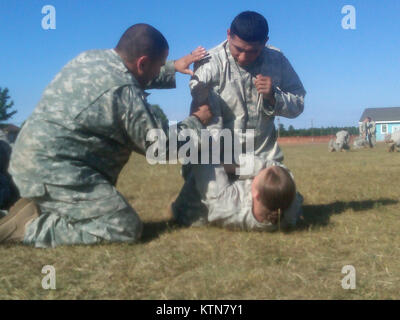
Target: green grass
(351, 212)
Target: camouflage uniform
(371, 133)
(71, 149)
(394, 139)
(226, 202)
(342, 141)
(362, 129)
(234, 99)
(236, 104)
(359, 142)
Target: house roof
(382, 114)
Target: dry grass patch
(351, 215)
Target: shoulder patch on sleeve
(202, 62)
(273, 48)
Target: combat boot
(13, 225)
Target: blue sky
(343, 71)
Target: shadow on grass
(319, 215)
(152, 230)
(314, 215)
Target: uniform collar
(121, 67)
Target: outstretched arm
(166, 78)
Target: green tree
(5, 106)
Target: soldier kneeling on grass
(393, 141)
(341, 143)
(70, 151)
(359, 143)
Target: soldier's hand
(264, 86)
(182, 64)
(203, 113)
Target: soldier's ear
(142, 64)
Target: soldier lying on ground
(341, 143)
(245, 203)
(71, 150)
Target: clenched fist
(264, 86)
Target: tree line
(292, 132)
(6, 113)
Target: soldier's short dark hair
(250, 26)
(142, 40)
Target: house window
(384, 128)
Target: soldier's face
(245, 53)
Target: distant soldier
(359, 142)
(370, 132)
(362, 129)
(393, 141)
(341, 143)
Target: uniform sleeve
(205, 78)
(204, 86)
(145, 130)
(166, 78)
(290, 94)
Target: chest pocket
(232, 104)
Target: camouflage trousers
(82, 215)
(188, 209)
(371, 140)
(334, 146)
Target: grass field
(351, 211)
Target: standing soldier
(70, 151)
(247, 84)
(362, 129)
(370, 128)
